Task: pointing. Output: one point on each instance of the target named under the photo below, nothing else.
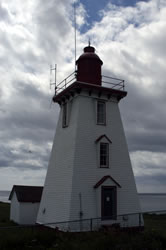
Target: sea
(152, 202)
(149, 202)
(4, 196)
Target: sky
(130, 38)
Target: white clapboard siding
(73, 168)
(23, 213)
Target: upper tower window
(101, 112)
(104, 155)
(103, 151)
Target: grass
(153, 237)
(4, 214)
(155, 222)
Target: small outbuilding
(25, 202)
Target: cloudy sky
(130, 38)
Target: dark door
(109, 203)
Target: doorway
(108, 203)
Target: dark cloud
(25, 155)
(4, 16)
(5, 162)
(154, 166)
(30, 108)
(144, 119)
(6, 156)
(27, 128)
(27, 166)
(151, 183)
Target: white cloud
(149, 163)
(79, 15)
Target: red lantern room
(89, 67)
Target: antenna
(75, 33)
(53, 69)
(53, 83)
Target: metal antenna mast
(53, 69)
(53, 83)
(75, 32)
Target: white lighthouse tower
(89, 174)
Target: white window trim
(104, 139)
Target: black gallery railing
(107, 81)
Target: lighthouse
(89, 177)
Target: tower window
(64, 115)
(101, 112)
(104, 155)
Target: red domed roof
(89, 53)
(89, 67)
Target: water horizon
(4, 196)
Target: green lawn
(153, 237)
(4, 214)
(155, 223)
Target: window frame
(99, 114)
(104, 156)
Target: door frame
(102, 203)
